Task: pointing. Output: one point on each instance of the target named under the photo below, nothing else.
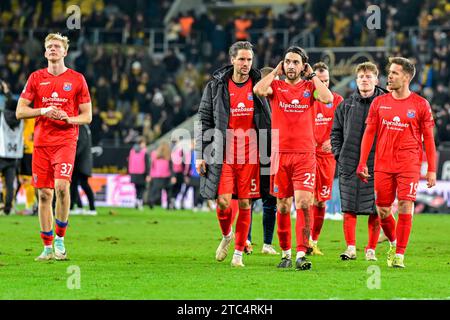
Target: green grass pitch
(170, 255)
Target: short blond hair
(57, 36)
(367, 66)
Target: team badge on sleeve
(67, 86)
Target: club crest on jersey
(250, 96)
(329, 105)
(67, 86)
(411, 114)
(306, 94)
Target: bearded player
(58, 97)
(293, 160)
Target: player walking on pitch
(293, 160)
(230, 108)
(325, 163)
(399, 119)
(61, 102)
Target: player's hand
(148, 179)
(308, 70)
(431, 179)
(363, 173)
(187, 180)
(279, 69)
(50, 112)
(173, 180)
(200, 166)
(63, 116)
(326, 146)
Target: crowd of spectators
(138, 93)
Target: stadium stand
(146, 76)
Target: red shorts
(52, 162)
(241, 180)
(387, 185)
(290, 172)
(326, 166)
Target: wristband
(312, 75)
(45, 110)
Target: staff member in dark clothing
(357, 198)
(82, 171)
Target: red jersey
(399, 131)
(324, 115)
(240, 121)
(293, 116)
(66, 92)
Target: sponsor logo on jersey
(385, 107)
(54, 98)
(294, 105)
(320, 119)
(44, 83)
(282, 90)
(241, 108)
(67, 86)
(411, 114)
(395, 124)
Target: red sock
(47, 238)
(388, 225)
(404, 226)
(242, 228)
(60, 228)
(224, 217)
(374, 231)
(284, 230)
(234, 210)
(317, 223)
(302, 229)
(350, 228)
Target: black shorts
(25, 165)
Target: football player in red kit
(58, 97)
(402, 121)
(228, 104)
(325, 162)
(293, 162)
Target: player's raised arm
(262, 88)
(324, 94)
